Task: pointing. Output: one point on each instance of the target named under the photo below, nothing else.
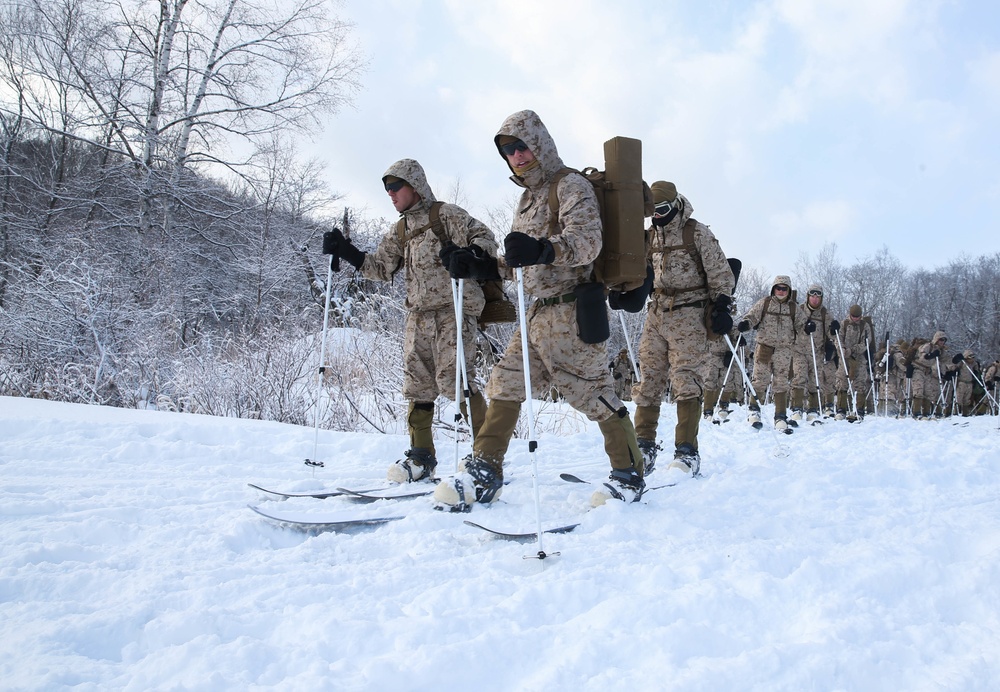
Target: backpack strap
(554, 228)
(687, 245)
(433, 224)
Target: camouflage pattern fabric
(772, 360)
(558, 359)
(577, 242)
(853, 336)
(430, 339)
(676, 269)
(673, 348)
(429, 345)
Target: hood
(782, 279)
(413, 173)
(938, 336)
(815, 287)
(529, 128)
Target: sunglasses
(509, 149)
(781, 288)
(396, 186)
(816, 293)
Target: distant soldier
(854, 374)
(926, 375)
(773, 317)
(812, 342)
(623, 375)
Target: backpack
(498, 308)
(625, 201)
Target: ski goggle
(396, 186)
(816, 293)
(663, 209)
(509, 149)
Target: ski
(396, 492)
(318, 494)
(570, 478)
(329, 521)
(518, 536)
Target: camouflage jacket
(677, 269)
(819, 316)
(428, 285)
(578, 234)
(774, 328)
(856, 337)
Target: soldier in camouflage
(774, 319)
(691, 280)
(430, 338)
(926, 373)
(813, 350)
(857, 341)
(557, 252)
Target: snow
(857, 557)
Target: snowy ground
(854, 557)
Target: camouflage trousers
(772, 365)
(925, 384)
(557, 359)
(430, 342)
(860, 378)
(673, 348)
(804, 373)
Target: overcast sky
(787, 123)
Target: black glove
(909, 370)
(949, 374)
(330, 248)
(932, 355)
(343, 248)
(722, 321)
(634, 300)
(957, 358)
(828, 351)
(742, 341)
(521, 250)
(727, 358)
(996, 380)
(617, 375)
(810, 327)
(834, 327)
(471, 262)
(892, 362)
(744, 326)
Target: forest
(161, 233)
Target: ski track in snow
(840, 557)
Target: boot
(686, 459)
(646, 420)
(620, 442)
(781, 405)
(649, 450)
(497, 429)
(627, 466)
(711, 396)
(478, 402)
(419, 461)
(480, 481)
(418, 465)
(686, 430)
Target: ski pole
(847, 373)
(819, 391)
(462, 393)
(628, 346)
(979, 382)
(532, 439)
(322, 364)
(871, 372)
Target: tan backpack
(625, 201)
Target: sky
(842, 557)
(788, 124)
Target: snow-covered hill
(860, 557)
